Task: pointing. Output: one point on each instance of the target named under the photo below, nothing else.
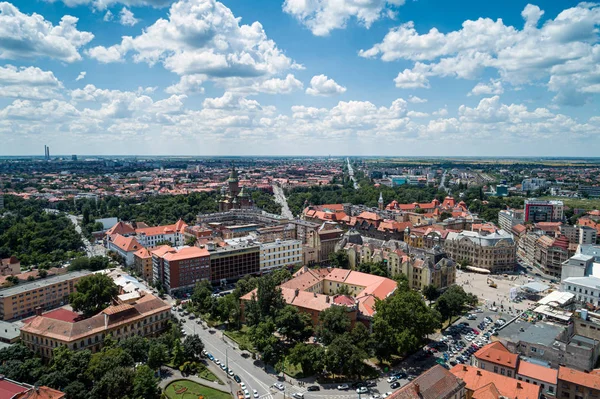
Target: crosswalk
(291, 390)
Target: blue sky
(299, 77)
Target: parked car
(279, 386)
(313, 388)
(370, 384)
(392, 379)
(362, 390)
(255, 393)
(395, 385)
(298, 395)
(237, 378)
(343, 387)
(375, 396)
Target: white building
(533, 184)
(578, 265)
(586, 289)
(508, 218)
(280, 253)
(587, 235)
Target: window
(496, 369)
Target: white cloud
(321, 85)
(408, 79)
(127, 18)
(32, 36)
(28, 83)
(494, 87)
(103, 4)
(202, 37)
(187, 84)
(416, 100)
(564, 52)
(108, 16)
(81, 76)
(323, 16)
(279, 86)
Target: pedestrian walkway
(176, 375)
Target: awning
(478, 269)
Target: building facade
(508, 218)
(279, 254)
(233, 261)
(495, 252)
(551, 253)
(543, 211)
(574, 384)
(24, 299)
(179, 269)
(148, 316)
(234, 197)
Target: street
(281, 200)
(351, 173)
(90, 250)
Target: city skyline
(381, 78)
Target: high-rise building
(46, 153)
(179, 269)
(543, 211)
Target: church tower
(233, 182)
(380, 201)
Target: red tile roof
(538, 372)
(127, 244)
(498, 354)
(435, 383)
(591, 380)
(508, 387)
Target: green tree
(191, 241)
(269, 297)
(309, 357)
(81, 263)
(178, 356)
(431, 292)
(294, 325)
(94, 293)
(201, 297)
(157, 355)
(193, 347)
(452, 302)
(339, 259)
(137, 346)
(145, 384)
(333, 321)
(115, 384)
(107, 360)
(229, 309)
(343, 357)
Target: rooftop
(498, 354)
(507, 387)
(539, 333)
(537, 372)
(41, 283)
(589, 380)
(435, 383)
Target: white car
(246, 395)
(255, 393)
(391, 379)
(343, 387)
(375, 396)
(362, 390)
(385, 395)
(217, 362)
(279, 386)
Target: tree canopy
(94, 293)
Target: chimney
(417, 388)
(315, 294)
(327, 299)
(519, 386)
(105, 320)
(38, 311)
(465, 368)
(296, 292)
(478, 372)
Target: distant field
(589, 204)
(565, 162)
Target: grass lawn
(241, 338)
(589, 204)
(208, 375)
(293, 370)
(186, 389)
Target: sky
(300, 77)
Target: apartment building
(543, 211)
(496, 358)
(22, 300)
(587, 235)
(533, 184)
(437, 382)
(495, 252)
(124, 246)
(546, 378)
(179, 269)
(585, 289)
(147, 316)
(551, 253)
(10, 266)
(485, 384)
(574, 384)
(325, 239)
(142, 264)
(508, 218)
(280, 253)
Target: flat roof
(41, 283)
(535, 287)
(556, 298)
(538, 333)
(9, 331)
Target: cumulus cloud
(494, 87)
(103, 4)
(108, 16)
(187, 84)
(32, 36)
(416, 100)
(563, 52)
(81, 76)
(323, 16)
(28, 83)
(202, 37)
(127, 18)
(321, 85)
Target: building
(232, 262)
(179, 269)
(279, 254)
(148, 316)
(508, 218)
(10, 266)
(124, 247)
(526, 247)
(577, 384)
(590, 191)
(545, 377)
(324, 240)
(551, 253)
(587, 235)
(234, 197)
(10, 389)
(314, 290)
(485, 384)
(586, 289)
(495, 252)
(151, 236)
(435, 383)
(24, 299)
(578, 265)
(543, 211)
(496, 358)
(142, 264)
(533, 184)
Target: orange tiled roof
(508, 387)
(435, 383)
(128, 244)
(42, 392)
(591, 380)
(186, 253)
(498, 354)
(538, 372)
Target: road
(90, 250)
(351, 173)
(255, 377)
(281, 200)
(443, 182)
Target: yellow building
(23, 299)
